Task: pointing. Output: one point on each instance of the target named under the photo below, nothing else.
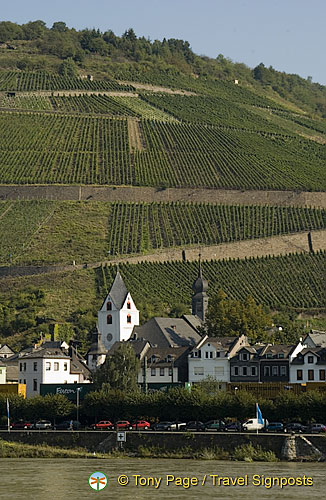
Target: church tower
(96, 354)
(118, 314)
(200, 298)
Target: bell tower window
(109, 319)
(128, 318)
(128, 305)
(109, 306)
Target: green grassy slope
(48, 232)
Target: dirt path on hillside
(277, 245)
(135, 142)
(156, 88)
(151, 194)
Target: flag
(259, 415)
(8, 413)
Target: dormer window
(128, 305)
(310, 359)
(269, 356)
(109, 306)
(281, 355)
(244, 356)
(109, 319)
(128, 318)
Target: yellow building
(19, 389)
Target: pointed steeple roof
(118, 292)
(97, 346)
(200, 284)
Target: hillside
(149, 150)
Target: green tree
(120, 370)
(228, 317)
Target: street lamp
(77, 397)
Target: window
(198, 370)
(299, 375)
(321, 374)
(153, 372)
(24, 367)
(35, 384)
(275, 371)
(109, 306)
(244, 371)
(162, 372)
(25, 381)
(56, 366)
(267, 371)
(109, 319)
(253, 371)
(206, 354)
(65, 364)
(283, 371)
(281, 355)
(128, 305)
(310, 374)
(269, 356)
(244, 356)
(128, 318)
(21, 367)
(170, 372)
(310, 359)
(236, 371)
(218, 354)
(35, 366)
(48, 366)
(94, 358)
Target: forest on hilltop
(34, 46)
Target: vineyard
(294, 280)
(34, 232)
(41, 80)
(41, 148)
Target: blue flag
(259, 415)
(8, 414)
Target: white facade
(308, 371)
(208, 361)
(116, 324)
(34, 371)
(159, 374)
(3, 378)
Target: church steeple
(199, 298)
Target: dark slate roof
(318, 338)
(140, 347)
(194, 321)
(277, 349)
(161, 353)
(320, 352)
(41, 352)
(167, 332)
(225, 343)
(118, 292)
(97, 346)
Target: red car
(122, 424)
(22, 424)
(103, 425)
(141, 425)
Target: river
(65, 479)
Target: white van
(253, 425)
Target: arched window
(128, 305)
(128, 318)
(109, 306)
(109, 319)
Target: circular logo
(97, 481)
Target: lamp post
(77, 397)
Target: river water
(63, 479)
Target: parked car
(43, 424)
(122, 425)
(178, 426)
(103, 425)
(68, 425)
(275, 427)
(195, 425)
(317, 428)
(21, 424)
(140, 425)
(233, 426)
(214, 425)
(295, 427)
(162, 426)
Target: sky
(289, 35)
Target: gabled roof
(118, 292)
(194, 321)
(318, 338)
(140, 347)
(167, 332)
(5, 349)
(162, 353)
(276, 349)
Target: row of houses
(171, 350)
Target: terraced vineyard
(41, 80)
(293, 280)
(45, 232)
(40, 148)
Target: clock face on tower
(109, 337)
